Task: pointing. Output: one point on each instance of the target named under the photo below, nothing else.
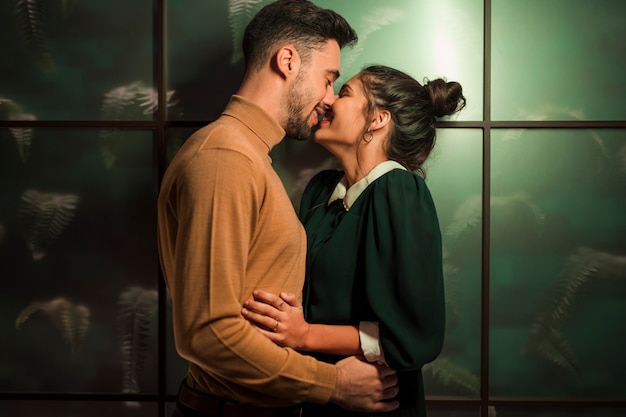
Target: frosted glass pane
(78, 261)
(559, 412)
(454, 173)
(425, 39)
(77, 60)
(558, 262)
(558, 60)
(452, 411)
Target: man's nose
(330, 96)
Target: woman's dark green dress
(378, 261)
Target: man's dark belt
(213, 406)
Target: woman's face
(345, 123)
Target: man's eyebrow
(335, 73)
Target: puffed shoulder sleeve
(318, 190)
(404, 277)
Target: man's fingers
(385, 371)
(385, 407)
(390, 392)
(389, 381)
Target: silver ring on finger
(276, 326)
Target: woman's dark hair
(414, 110)
(300, 22)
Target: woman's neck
(357, 168)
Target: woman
(374, 283)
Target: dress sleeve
(404, 278)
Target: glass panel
(446, 44)
(203, 68)
(78, 260)
(560, 412)
(564, 63)
(454, 172)
(448, 411)
(176, 366)
(426, 39)
(558, 234)
(78, 408)
(77, 60)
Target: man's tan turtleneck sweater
(226, 227)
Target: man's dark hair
(299, 22)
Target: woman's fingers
(267, 298)
(290, 299)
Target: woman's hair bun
(446, 97)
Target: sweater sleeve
(404, 279)
(217, 212)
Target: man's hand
(365, 387)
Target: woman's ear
(380, 120)
(287, 61)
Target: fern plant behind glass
(581, 269)
(30, 15)
(9, 110)
(45, 216)
(136, 308)
(130, 102)
(73, 320)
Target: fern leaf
(126, 103)
(240, 12)
(136, 307)
(465, 220)
(46, 215)
(149, 98)
(555, 348)
(31, 309)
(118, 104)
(580, 268)
(9, 110)
(447, 373)
(119, 101)
(73, 320)
(23, 136)
(30, 16)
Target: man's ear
(380, 120)
(287, 61)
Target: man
(226, 227)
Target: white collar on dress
(350, 195)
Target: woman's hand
(280, 318)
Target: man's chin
(302, 134)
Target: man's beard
(297, 127)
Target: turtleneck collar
(256, 119)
